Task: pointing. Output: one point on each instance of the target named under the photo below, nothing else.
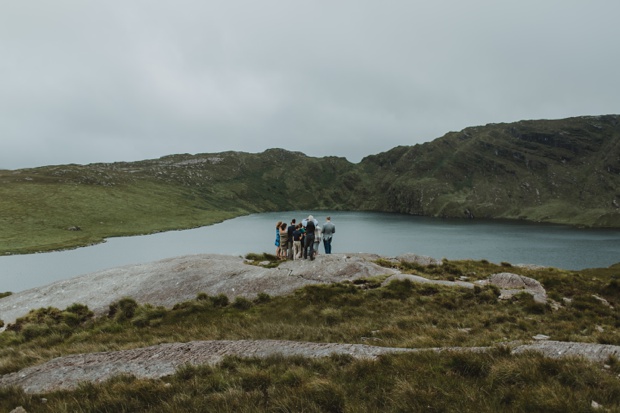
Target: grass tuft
(399, 314)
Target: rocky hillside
(564, 171)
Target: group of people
(302, 240)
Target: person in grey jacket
(329, 229)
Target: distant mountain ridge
(563, 171)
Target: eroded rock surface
(173, 280)
(556, 349)
(170, 281)
(164, 359)
(65, 373)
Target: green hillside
(564, 171)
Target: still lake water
(381, 233)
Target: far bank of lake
(381, 233)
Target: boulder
(512, 284)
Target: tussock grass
(264, 260)
(483, 382)
(399, 314)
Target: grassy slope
(39, 214)
(400, 314)
(565, 171)
(182, 191)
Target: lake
(382, 233)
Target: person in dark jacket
(297, 237)
(289, 247)
(310, 224)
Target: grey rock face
(164, 359)
(556, 349)
(170, 281)
(65, 373)
(513, 284)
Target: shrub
(220, 300)
(613, 287)
(451, 268)
(528, 303)
(488, 294)
(32, 331)
(76, 314)
(399, 289)
(262, 298)
(147, 314)
(242, 303)
(202, 297)
(42, 316)
(124, 309)
(590, 304)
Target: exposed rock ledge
(65, 373)
(173, 280)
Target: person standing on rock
(310, 224)
(290, 230)
(317, 240)
(278, 238)
(329, 229)
(283, 241)
(297, 237)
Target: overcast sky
(102, 81)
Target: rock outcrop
(65, 373)
(513, 284)
(170, 281)
(167, 282)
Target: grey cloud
(86, 82)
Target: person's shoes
(311, 258)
